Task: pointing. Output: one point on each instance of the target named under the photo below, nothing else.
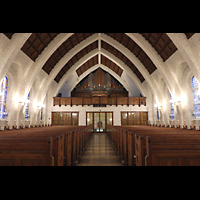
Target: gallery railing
(101, 101)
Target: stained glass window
(41, 113)
(196, 96)
(27, 107)
(158, 113)
(172, 107)
(3, 97)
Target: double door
(99, 120)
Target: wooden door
(99, 120)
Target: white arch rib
(10, 51)
(185, 48)
(166, 74)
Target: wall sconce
(40, 107)
(175, 101)
(157, 106)
(22, 103)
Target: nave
(100, 152)
(60, 89)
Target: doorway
(99, 120)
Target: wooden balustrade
(101, 100)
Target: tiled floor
(99, 152)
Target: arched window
(27, 107)
(41, 113)
(158, 116)
(172, 107)
(3, 97)
(196, 96)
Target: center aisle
(99, 152)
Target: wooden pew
(176, 152)
(140, 141)
(43, 133)
(130, 146)
(168, 136)
(119, 136)
(69, 141)
(72, 143)
(75, 141)
(27, 154)
(38, 137)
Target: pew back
(27, 154)
(68, 141)
(132, 148)
(172, 152)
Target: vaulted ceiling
(37, 42)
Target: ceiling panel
(110, 64)
(90, 63)
(189, 35)
(9, 35)
(36, 43)
(64, 48)
(75, 58)
(134, 48)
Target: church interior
(136, 93)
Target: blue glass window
(157, 113)
(41, 113)
(172, 107)
(196, 97)
(27, 107)
(3, 97)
